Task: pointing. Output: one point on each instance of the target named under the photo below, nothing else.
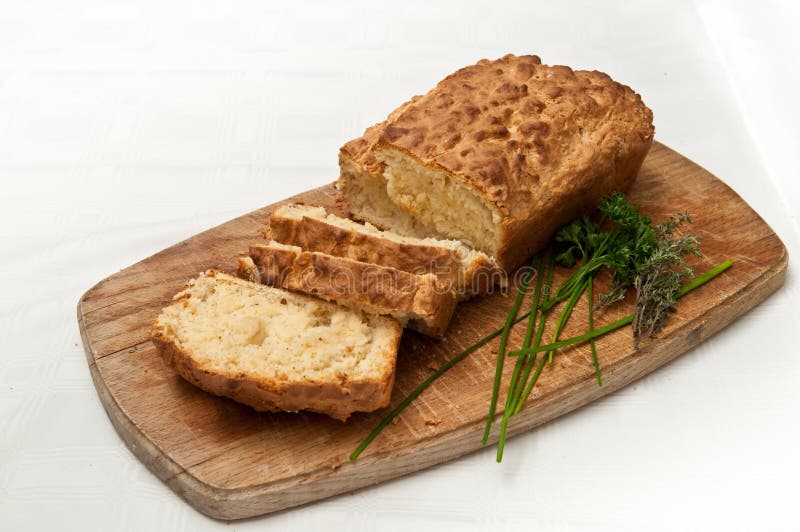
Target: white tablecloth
(128, 126)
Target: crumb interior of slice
(233, 327)
(295, 250)
(368, 200)
(436, 200)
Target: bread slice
(466, 271)
(499, 155)
(419, 302)
(275, 350)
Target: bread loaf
(419, 302)
(275, 350)
(499, 155)
(466, 271)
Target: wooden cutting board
(232, 462)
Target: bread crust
(247, 270)
(336, 398)
(419, 301)
(476, 277)
(361, 150)
(539, 144)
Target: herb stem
(529, 388)
(531, 359)
(501, 352)
(700, 280)
(512, 386)
(595, 362)
(566, 313)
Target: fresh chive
(501, 351)
(537, 295)
(700, 280)
(600, 331)
(562, 321)
(531, 324)
(531, 359)
(595, 362)
(566, 313)
(529, 387)
(518, 366)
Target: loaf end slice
(419, 302)
(275, 350)
(466, 271)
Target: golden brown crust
(335, 399)
(540, 144)
(478, 276)
(418, 300)
(248, 270)
(360, 150)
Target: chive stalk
(501, 351)
(531, 359)
(595, 362)
(518, 366)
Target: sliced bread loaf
(275, 350)
(466, 271)
(419, 302)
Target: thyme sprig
(660, 277)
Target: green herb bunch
(639, 254)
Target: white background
(128, 126)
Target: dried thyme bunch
(660, 277)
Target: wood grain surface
(231, 462)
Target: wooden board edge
(156, 460)
(238, 503)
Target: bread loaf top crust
(513, 129)
(361, 149)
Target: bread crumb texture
(274, 349)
